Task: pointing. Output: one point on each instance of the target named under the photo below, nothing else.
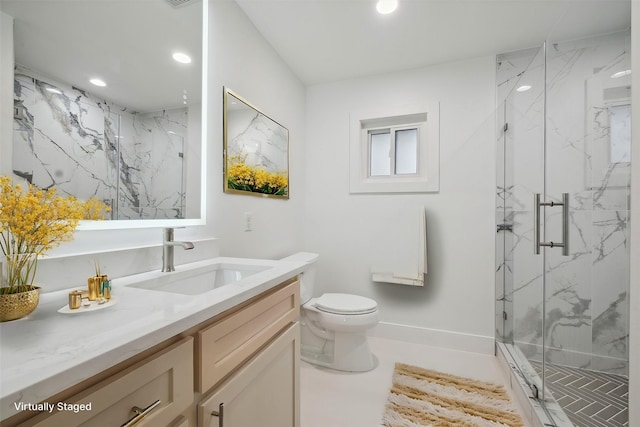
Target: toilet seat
(345, 304)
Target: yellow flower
(33, 220)
(95, 210)
(262, 178)
(241, 176)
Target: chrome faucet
(167, 249)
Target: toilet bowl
(334, 325)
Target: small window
(397, 154)
(393, 151)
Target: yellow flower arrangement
(32, 221)
(241, 176)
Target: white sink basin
(200, 280)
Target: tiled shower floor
(589, 398)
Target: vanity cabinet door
(263, 392)
(166, 376)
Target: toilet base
(345, 352)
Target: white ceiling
(128, 43)
(327, 40)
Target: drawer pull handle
(220, 414)
(140, 413)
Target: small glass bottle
(106, 289)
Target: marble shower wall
(87, 147)
(587, 115)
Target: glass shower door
(538, 221)
(566, 191)
(586, 145)
(522, 150)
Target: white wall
(355, 234)
(244, 62)
(634, 292)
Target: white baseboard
(435, 337)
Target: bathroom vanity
(221, 356)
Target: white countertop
(47, 351)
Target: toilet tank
(308, 277)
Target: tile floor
(339, 399)
(590, 399)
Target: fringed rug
(420, 397)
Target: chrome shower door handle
(565, 224)
(536, 223)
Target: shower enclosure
(563, 200)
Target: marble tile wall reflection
(88, 147)
(257, 140)
(586, 305)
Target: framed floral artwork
(256, 150)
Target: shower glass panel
(520, 278)
(566, 118)
(523, 175)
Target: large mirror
(108, 103)
(256, 150)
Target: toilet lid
(345, 304)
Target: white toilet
(334, 326)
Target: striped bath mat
(420, 397)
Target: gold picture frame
(256, 150)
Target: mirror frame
(198, 219)
(227, 93)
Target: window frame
(427, 177)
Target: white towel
(416, 277)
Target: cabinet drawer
(166, 376)
(226, 344)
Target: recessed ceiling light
(182, 58)
(98, 82)
(386, 6)
(523, 88)
(620, 74)
(54, 90)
